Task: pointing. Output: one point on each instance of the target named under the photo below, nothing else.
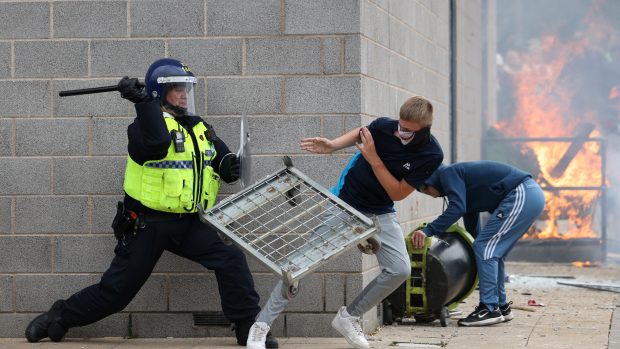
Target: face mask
(405, 136)
(419, 137)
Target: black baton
(84, 91)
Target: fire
(585, 264)
(543, 110)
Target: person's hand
(367, 148)
(369, 246)
(318, 145)
(131, 89)
(418, 238)
(229, 168)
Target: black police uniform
(182, 234)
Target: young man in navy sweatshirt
(514, 200)
(395, 156)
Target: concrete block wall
(405, 51)
(298, 68)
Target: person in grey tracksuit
(394, 157)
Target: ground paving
(572, 317)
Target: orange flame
(585, 264)
(543, 111)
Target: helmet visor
(179, 92)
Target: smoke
(573, 48)
(613, 199)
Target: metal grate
(289, 223)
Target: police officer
(175, 163)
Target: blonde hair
(417, 109)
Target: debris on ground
(518, 307)
(601, 287)
(532, 302)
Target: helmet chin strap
(173, 109)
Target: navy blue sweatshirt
(149, 139)
(359, 187)
(471, 188)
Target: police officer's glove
(132, 90)
(229, 168)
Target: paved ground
(572, 317)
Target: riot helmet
(172, 82)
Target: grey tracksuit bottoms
(395, 266)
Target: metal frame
(602, 188)
(290, 223)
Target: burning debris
(582, 132)
(563, 100)
(586, 264)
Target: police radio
(179, 141)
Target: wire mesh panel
(289, 222)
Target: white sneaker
(257, 335)
(350, 328)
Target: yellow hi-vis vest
(180, 181)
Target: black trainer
(242, 329)
(482, 316)
(506, 311)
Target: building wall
(469, 82)
(405, 51)
(298, 68)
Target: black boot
(271, 341)
(242, 328)
(47, 325)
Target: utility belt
(129, 222)
(126, 222)
(164, 216)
